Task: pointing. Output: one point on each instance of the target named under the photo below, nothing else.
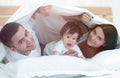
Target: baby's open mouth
(69, 44)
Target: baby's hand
(71, 53)
(44, 10)
(86, 17)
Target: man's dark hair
(7, 32)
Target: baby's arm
(56, 53)
(71, 53)
(58, 47)
(74, 53)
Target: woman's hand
(86, 17)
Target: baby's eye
(68, 36)
(74, 38)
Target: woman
(100, 37)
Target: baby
(70, 34)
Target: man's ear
(13, 48)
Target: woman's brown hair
(111, 36)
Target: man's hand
(44, 10)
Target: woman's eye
(100, 38)
(94, 32)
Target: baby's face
(69, 40)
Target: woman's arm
(84, 18)
(81, 20)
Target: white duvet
(96, 67)
(52, 65)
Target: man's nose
(28, 40)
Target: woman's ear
(103, 45)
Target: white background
(114, 4)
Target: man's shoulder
(3, 51)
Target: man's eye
(21, 41)
(26, 33)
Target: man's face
(23, 41)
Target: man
(20, 42)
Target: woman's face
(96, 38)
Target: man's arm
(44, 10)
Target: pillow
(109, 59)
(2, 51)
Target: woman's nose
(93, 38)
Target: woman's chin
(89, 44)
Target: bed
(104, 65)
